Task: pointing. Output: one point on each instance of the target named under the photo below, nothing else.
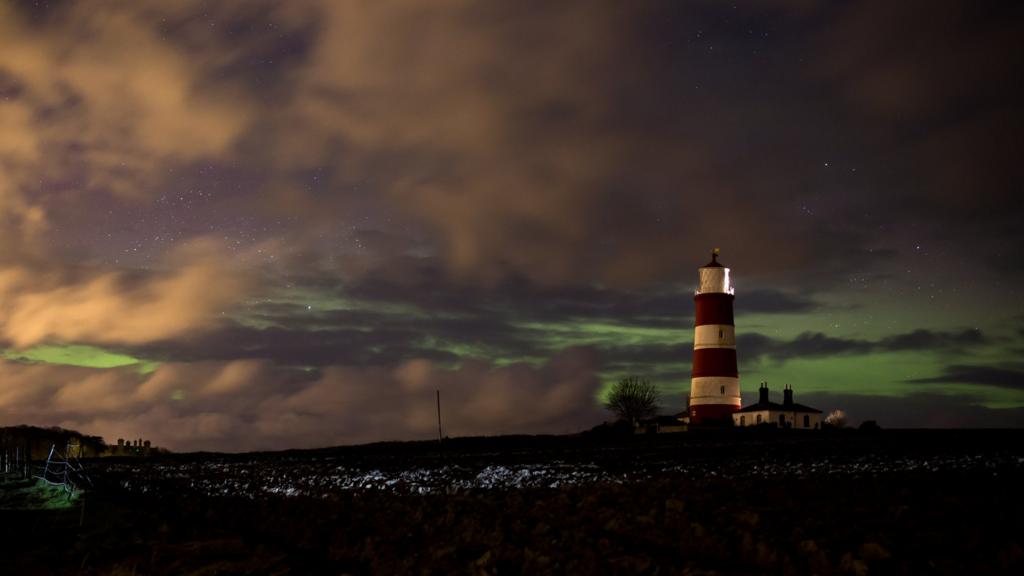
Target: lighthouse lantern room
(715, 383)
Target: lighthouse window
(723, 390)
(720, 334)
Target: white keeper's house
(786, 415)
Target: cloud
(112, 114)
(518, 144)
(511, 140)
(806, 345)
(647, 355)
(47, 304)
(1011, 377)
(248, 405)
(21, 222)
(98, 103)
(359, 339)
(922, 339)
(903, 73)
(773, 301)
(817, 344)
(936, 79)
(431, 289)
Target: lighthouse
(715, 383)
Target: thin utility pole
(439, 417)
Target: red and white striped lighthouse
(715, 383)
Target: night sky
(238, 226)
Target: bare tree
(633, 399)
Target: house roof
(775, 406)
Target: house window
(723, 390)
(782, 419)
(758, 418)
(743, 421)
(807, 421)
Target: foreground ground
(728, 503)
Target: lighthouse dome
(714, 277)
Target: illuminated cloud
(254, 405)
(84, 111)
(46, 305)
(102, 90)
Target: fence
(62, 471)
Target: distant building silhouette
(137, 447)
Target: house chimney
(787, 396)
(763, 394)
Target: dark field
(728, 502)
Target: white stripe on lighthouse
(708, 390)
(714, 336)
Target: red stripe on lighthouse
(714, 362)
(711, 412)
(714, 308)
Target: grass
(17, 493)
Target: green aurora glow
(78, 355)
(840, 315)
